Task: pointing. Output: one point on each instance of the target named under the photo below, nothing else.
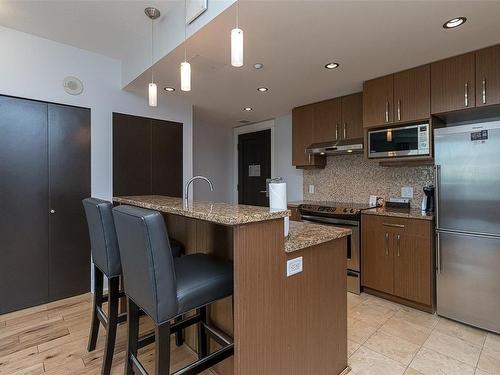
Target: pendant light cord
(237, 14)
(152, 55)
(185, 30)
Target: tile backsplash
(352, 178)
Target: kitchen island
(282, 324)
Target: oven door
(410, 140)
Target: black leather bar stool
(166, 288)
(106, 258)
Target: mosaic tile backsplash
(352, 178)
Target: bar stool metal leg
(98, 299)
(113, 303)
(132, 335)
(202, 334)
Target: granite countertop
(399, 212)
(302, 235)
(219, 213)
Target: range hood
(342, 147)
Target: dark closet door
(69, 183)
(131, 155)
(166, 158)
(23, 204)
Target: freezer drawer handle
(393, 225)
(438, 253)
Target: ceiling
(295, 39)
(112, 28)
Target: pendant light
(237, 41)
(185, 66)
(153, 14)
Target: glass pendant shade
(185, 76)
(237, 47)
(153, 95)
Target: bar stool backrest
(147, 262)
(103, 241)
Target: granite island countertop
(399, 212)
(215, 212)
(302, 235)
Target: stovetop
(333, 208)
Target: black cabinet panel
(23, 204)
(69, 178)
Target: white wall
(33, 67)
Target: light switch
(406, 192)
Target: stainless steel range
(345, 215)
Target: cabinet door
(326, 121)
(352, 116)
(413, 262)
(412, 94)
(302, 137)
(378, 262)
(488, 76)
(24, 204)
(378, 101)
(69, 183)
(453, 84)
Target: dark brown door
(488, 76)
(378, 101)
(326, 121)
(352, 116)
(378, 262)
(166, 158)
(254, 167)
(69, 183)
(23, 204)
(412, 94)
(453, 84)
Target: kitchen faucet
(186, 190)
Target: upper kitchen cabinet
(302, 137)
(378, 99)
(412, 91)
(326, 120)
(488, 76)
(352, 116)
(453, 84)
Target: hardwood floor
(52, 339)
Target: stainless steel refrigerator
(467, 161)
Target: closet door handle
(399, 240)
(386, 243)
(466, 94)
(484, 90)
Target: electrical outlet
(293, 266)
(311, 189)
(407, 192)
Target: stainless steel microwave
(412, 140)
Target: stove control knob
(345, 209)
(352, 210)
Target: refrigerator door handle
(438, 253)
(437, 181)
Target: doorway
(254, 167)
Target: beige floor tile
(493, 341)
(368, 362)
(372, 314)
(393, 347)
(430, 362)
(354, 300)
(352, 347)
(454, 347)
(470, 334)
(413, 333)
(480, 372)
(417, 317)
(410, 371)
(375, 301)
(489, 360)
(359, 331)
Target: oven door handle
(326, 220)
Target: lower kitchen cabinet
(295, 213)
(397, 255)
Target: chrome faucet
(186, 190)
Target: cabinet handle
(337, 132)
(484, 90)
(399, 238)
(466, 94)
(309, 156)
(393, 225)
(387, 111)
(345, 130)
(386, 243)
(52, 211)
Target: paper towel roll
(278, 201)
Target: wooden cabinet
(378, 99)
(295, 214)
(412, 92)
(352, 116)
(453, 84)
(398, 258)
(326, 120)
(488, 76)
(302, 137)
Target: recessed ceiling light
(258, 65)
(169, 89)
(248, 109)
(332, 65)
(454, 22)
(262, 89)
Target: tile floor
(386, 338)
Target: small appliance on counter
(403, 203)
(428, 200)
